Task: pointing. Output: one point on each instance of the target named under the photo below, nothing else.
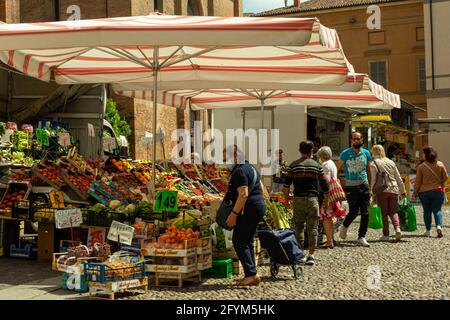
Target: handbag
(380, 181)
(441, 189)
(407, 215)
(226, 207)
(336, 192)
(375, 218)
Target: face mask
(357, 145)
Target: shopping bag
(407, 215)
(375, 218)
(336, 192)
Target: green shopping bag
(375, 218)
(407, 215)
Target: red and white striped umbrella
(191, 52)
(357, 92)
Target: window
(158, 6)
(378, 72)
(421, 75)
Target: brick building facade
(137, 112)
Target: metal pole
(262, 113)
(155, 106)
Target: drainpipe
(432, 45)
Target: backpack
(381, 180)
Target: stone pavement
(415, 268)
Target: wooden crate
(99, 291)
(204, 261)
(176, 279)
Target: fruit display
(126, 193)
(179, 238)
(81, 182)
(52, 173)
(122, 165)
(128, 180)
(15, 192)
(144, 177)
(220, 184)
(209, 171)
(115, 269)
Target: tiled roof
(315, 5)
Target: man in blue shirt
(355, 161)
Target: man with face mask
(356, 164)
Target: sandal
(253, 281)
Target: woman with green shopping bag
(387, 185)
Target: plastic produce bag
(407, 215)
(375, 218)
(221, 238)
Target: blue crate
(84, 287)
(101, 273)
(24, 253)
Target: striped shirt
(308, 178)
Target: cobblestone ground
(415, 268)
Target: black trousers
(244, 234)
(358, 198)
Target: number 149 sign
(166, 201)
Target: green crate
(221, 268)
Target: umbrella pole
(262, 113)
(155, 106)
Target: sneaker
(310, 261)
(343, 233)
(384, 238)
(439, 232)
(398, 235)
(303, 260)
(427, 233)
(363, 242)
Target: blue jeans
(244, 233)
(432, 203)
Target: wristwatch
(235, 212)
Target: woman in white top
(329, 210)
(387, 199)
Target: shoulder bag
(381, 182)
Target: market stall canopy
(357, 92)
(188, 52)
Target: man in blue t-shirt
(355, 161)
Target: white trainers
(398, 235)
(363, 242)
(384, 238)
(427, 233)
(343, 233)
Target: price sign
(42, 137)
(96, 235)
(64, 139)
(166, 201)
(120, 232)
(68, 218)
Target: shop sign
(42, 137)
(123, 285)
(166, 201)
(68, 218)
(120, 232)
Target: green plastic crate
(221, 268)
